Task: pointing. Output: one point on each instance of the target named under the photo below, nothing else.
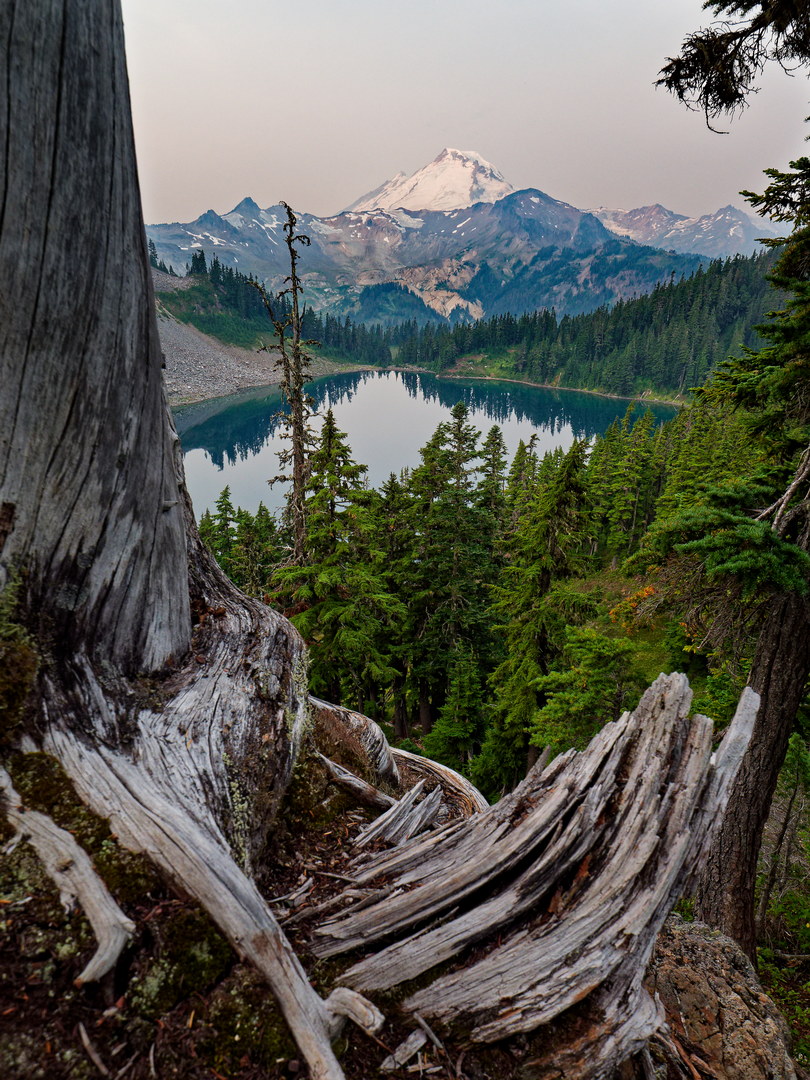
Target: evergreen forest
(487, 611)
(661, 344)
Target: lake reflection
(388, 417)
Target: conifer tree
(392, 542)
(593, 682)
(550, 544)
(458, 732)
(448, 601)
(219, 532)
(255, 550)
(337, 598)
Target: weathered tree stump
(564, 885)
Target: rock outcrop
(722, 1024)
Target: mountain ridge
(520, 251)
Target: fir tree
(550, 544)
(337, 598)
(458, 732)
(593, 682)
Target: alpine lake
(387, 415)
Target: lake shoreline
(674, 403)
(332, 367)
(388, 416)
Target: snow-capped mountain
(453, 180)
(455, 241)
(728, 231)
(523, 252)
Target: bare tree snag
(86, 458)
(175, 704)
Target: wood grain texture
(564, 884)
(370, 735)
(86, 457)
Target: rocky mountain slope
(728, 231)
(473, 248)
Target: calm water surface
(388, 417)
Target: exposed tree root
(69, 867)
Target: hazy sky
(318, 101)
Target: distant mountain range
(728, 231)
(456, 241)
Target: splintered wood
(563, 886)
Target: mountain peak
(453, 180)
(246, 206)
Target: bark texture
(725, 890)
(175, 704)
(87, 471)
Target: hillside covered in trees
(487, 611)
(663, 343)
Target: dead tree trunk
(175, 704)
(561, 888)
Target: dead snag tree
(292, 363)
(174, 703)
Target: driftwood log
(178, 707)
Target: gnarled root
(69, 867)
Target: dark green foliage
(247, 546)
(593, 682)
(450, 568)
(458, 732)
(665, 342)
(718, 66)
(337, 596)
(198, 266)
(550, 543)
(19, 661)
(719, 529)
